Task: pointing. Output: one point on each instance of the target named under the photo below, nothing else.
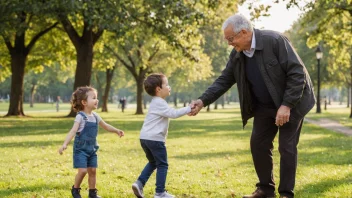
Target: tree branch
(153, 55)
(8, 43)
(40, 34)
(70, 30)
(117, 56)
(97, 35)
(129, 57)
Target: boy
(153, 135)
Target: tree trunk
(139, 96)
(223, 101)
(208, 108)
(32, 95)
(350, 90)
(348, 96)
(216, 104)
(109, 75)
(175, 99)
(351, 84)
(84, 67)
(18, 63)
(144, 103)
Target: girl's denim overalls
(85, 145)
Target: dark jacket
(284, 74)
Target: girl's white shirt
(91, 118)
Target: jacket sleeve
(223, 83)
(295, 72)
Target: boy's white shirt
(156, 122)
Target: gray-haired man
(275, 88)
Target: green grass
(209, 156)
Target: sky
(280, 18)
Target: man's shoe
(163, 195)
(76, 192)
(137, 188)
(258, 193)
(93, 193)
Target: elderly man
(275, 88)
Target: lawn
(209, 156)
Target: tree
(43, 75)
(18, 21)
(141, 58)
(155, 27)
(84, 22)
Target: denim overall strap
(89, 132)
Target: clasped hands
(196, 106)
(282, 115)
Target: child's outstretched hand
(62, 148)
(120, 133)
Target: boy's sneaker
(76, 192)
(163, 195)
(137, 188)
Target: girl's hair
(152, 82)
(78, 96)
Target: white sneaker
(163, 195)
(137, 188)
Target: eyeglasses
(230, 40)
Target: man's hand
(196, 106)
(282, 115)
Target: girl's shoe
(93, 193)
(76, 192)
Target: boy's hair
(78, 96)
(152, 82)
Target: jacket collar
(258, 40)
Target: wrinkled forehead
(228, 31)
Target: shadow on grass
(207, 155)
(179, 128)
(49, 127)
(28, 144)
(30, 189)
(319, 188)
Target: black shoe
(76, 192)
(259, 193)
(93, 193)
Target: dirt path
(331, 125)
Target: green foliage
(5, 70)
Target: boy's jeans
(157, 156)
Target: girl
(85, 129)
